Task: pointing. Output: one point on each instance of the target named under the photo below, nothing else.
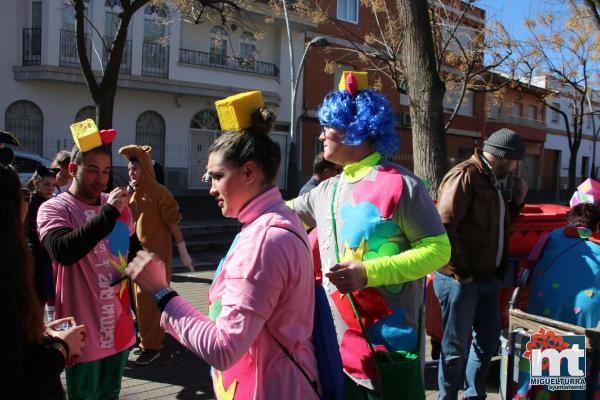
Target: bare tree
(104, 88)
(103, 92)
(567, 53)
(593, 7)
(425, 93)
(455, 39)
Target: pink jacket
(264, 288)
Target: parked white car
(26, 163)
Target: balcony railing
(125, 61)
(155, 60)
(32, 46)
(68, 48)
(513, 119)
(194, 57)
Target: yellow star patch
(221, 392)
(357, 254)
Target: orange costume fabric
(154, 209)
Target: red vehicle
(534, 220)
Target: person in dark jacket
(36, 355)
(41, 185)
(478, 200)
(322, 170)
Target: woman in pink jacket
(257, 336)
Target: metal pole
(291, 170)
(297, 78)
(292, 69)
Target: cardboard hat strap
(87, 136)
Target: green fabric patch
(388, 249)
(394, 289)
(214, 310)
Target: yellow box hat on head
(86, 135)
(362, 80)
(235, 112)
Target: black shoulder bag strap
(313, 383)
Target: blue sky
(512, 12)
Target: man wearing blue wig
(379, 232)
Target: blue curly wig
(368, 115)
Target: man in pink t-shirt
(87, 234)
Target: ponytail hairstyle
(252, 144)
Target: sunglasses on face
(331, 133)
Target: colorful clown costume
(564, 286)
(385, 218)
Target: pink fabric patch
(387, 179)
(244, 373)
(356, 355)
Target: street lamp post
(293, 173)
(319, 41)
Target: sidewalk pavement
(180, 374)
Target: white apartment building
(556, 147)
(171, 75)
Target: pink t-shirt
(83, 289)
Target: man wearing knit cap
(477, 213)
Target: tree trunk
(573, 169)
(104, 112)
(425, 93)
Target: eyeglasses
(332, 133)
(26, 195)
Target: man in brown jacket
(477, 201)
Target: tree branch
(86, 67)
(593, 7)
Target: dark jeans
(467, 308)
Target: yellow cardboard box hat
(353, 81)
(87, 136)
(235, 112)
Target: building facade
(350, 19)
(556, 146)
(171, 74)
